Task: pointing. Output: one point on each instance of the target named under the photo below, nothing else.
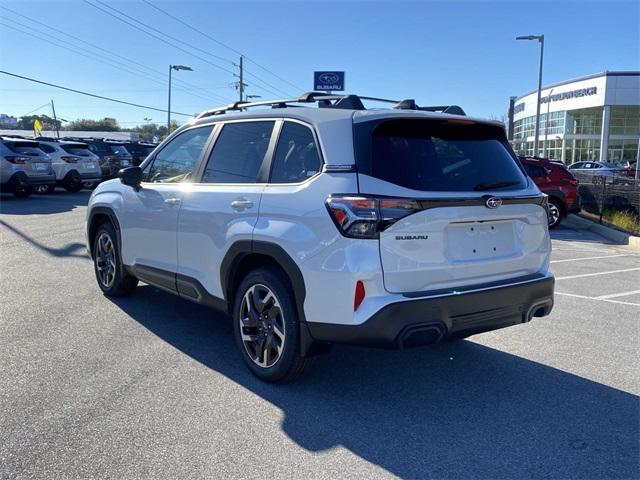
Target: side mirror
(131, 176)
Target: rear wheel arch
(246, 255)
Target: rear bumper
(42, 179)
(430, 319)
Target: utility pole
(55, 119)
(241, 85)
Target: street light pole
(169, 106)
(546, 126)
(173, 67)
(540, 39)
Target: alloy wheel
(554, 214)
(106, 260)
(262, 327)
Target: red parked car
(554, 179)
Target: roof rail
(328, 100)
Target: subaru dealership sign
(328, 81)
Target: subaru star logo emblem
(329, 78)
(493, 202)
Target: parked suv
(555, 180)
(139, 151)
(75, 166)
(112, 153)
(23, 166)
(313, 226)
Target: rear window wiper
(491, 186)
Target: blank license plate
(480, 240)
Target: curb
(621, 238)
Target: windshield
(120, 150)
(437, 155)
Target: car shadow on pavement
(570, 233)
(57, 202)
(69, 250)
(455, 410)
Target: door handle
(172, 201)
(241, 204)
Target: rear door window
(437, 155)
(239, 152)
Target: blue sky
(434, 51)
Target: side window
(177, 160)
(296, 157)
(238, 153)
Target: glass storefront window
(625, 120)
(586, 121)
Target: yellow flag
(37, 127)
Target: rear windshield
(25, 148)
(119, 150)
(80, 150)
(437, 155)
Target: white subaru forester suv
(388, 227)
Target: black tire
(44, 189)
(556, 213)
(121, 282)
(289, 364)
(73, 183)
(23, 192)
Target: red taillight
(366, 217)
(71, 159)
(359, 295)
(17, 159)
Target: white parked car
(312, 226)
(23, 166)
(74, 164)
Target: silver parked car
(23, 166)
(600, 168)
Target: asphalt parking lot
(151, 386)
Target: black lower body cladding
(432, 318)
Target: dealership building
(596, 117)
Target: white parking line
(598, 273)
(614, 295)
(597, 299)
(591, 258)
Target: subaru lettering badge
(493, 202)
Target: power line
(156, 36)
(204, 34)
(191, 46)
(182, 85)
(92, 94)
